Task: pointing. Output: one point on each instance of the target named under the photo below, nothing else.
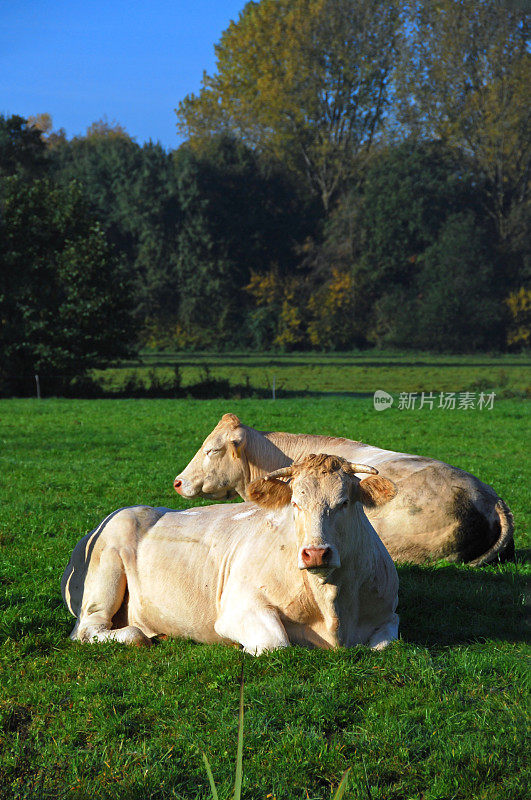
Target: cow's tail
(503, 547)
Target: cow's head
(217, 471)
(322, 491)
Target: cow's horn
(285, 472)
(363, 468)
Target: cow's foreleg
(102, 597)
(385, 634)
(256, 627)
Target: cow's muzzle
(187, 490)
(315, 557)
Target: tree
(410, 191)
(44, 123)
(133, 192)
(395, 241)
(333, 310)
(235, 220)
(303, 80)
(277, 320)
(458, 302)
(465, 80)
(64, 302)
(105, 162)
(519, 330)
(22, 148)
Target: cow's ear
(237, 441)
(236, 449)
(269, 494)
(376, 491)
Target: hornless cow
(300, 564)
(439, 511)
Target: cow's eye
(344, 504)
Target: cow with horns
(298, 564)
(439, 511)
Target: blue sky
(129, 61)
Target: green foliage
(458, 306)
(353, 169)
(465, 79)
(63, 299)
(303, 80)
(409, 192)
(333, 308)
(133, 192)
(322, 86)
(440, 714)
(455, 305)
(22, 148)
(189, 227)
(519, 305)
(236, 220)
(277, 320)
(424, 265)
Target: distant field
(357, 373)
(440, 715)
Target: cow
(439, 511)
(297, 564)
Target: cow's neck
(296, 446)
(337, 599)
(323, 596)
(361, 558)
(265, 452)
(259, 457)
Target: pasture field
(440, 715)
(344, 373)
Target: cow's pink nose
(177, 484)
(315, 556)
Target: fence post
(274, 386)
(38, 387)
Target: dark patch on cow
(474, 534)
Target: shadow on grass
(449, 605)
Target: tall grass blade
(342, 786)
(239, 753)
(367, 787)
(213, 789)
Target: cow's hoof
(132, 635)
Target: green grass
(439, 715)
(344, 373)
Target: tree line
(354, 173)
